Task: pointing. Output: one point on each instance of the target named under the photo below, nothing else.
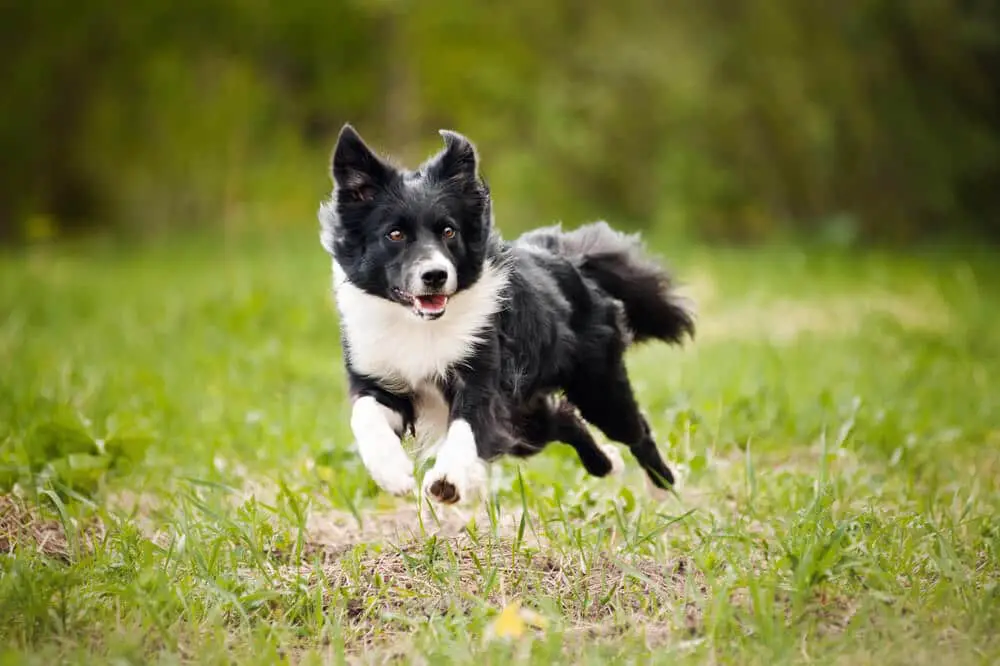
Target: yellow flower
(513, 621)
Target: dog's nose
(434, 278)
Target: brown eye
(395, 235)
(448, 232)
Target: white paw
(458, 474)
(450, 484)
(615, 456)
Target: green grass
(181, 485)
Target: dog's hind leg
(605, 398)
(553, 420)
(597, 459)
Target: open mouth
(431, 306)
(426, 306)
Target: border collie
(478, 346)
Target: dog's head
(412, 237)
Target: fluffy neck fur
(386, 341)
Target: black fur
(553, 358)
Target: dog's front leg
(478, 432)
(458, 474)
(377, 428)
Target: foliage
(869, 119)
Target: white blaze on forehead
(435, 261)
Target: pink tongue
(432, 303)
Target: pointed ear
(357, 171)
(457, 160)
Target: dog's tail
(618, 264)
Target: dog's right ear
(357, 172)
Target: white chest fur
(388, 341)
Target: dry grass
(383, 592)
(404, 522)
(22, 529)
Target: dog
(483, 347)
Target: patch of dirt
(23, 528)
(341, 529)
(436, 576)
(334, 529)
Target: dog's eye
(448, 232)
(395, 235)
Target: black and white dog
(479, 346)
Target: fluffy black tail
(618, 264)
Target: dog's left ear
(458, 160)
(357, 171)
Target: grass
(179, 482)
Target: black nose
(434, 278)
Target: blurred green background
(868, 120)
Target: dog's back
(617, 264)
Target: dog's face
(412, 237)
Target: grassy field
(179, 483)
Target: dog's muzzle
(432, 282)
